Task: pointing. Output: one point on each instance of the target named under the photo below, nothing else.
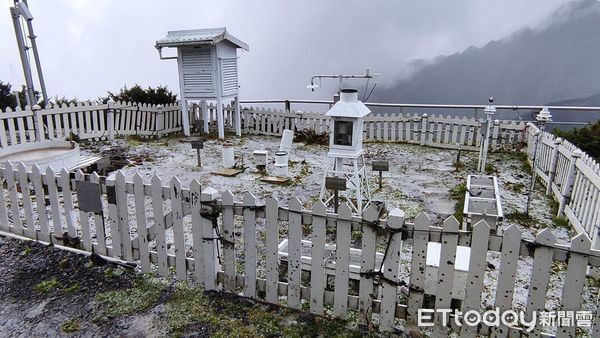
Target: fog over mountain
(558, 60)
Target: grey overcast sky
(88, 47)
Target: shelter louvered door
(198, 71)
(229, 78)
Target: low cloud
(88, 47)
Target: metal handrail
(419, 105)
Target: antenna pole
(36, 57)
(29, 95)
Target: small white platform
(55, 153)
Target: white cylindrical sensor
(281, 158)
(281, 170)
(228, 156)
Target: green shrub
(586, 138)
(158, 95)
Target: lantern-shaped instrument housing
(346, 125)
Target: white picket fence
(87, 121)
(430, 130)
(572, 177)
(105, 121)
(232, 244)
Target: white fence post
(160, 120)
(423, 129)
(567, 189)
(208, 197)
(238, 117)
(38, 123)
(553, 163)
(389, 292)
(110, 117)
(495, 134)
(205, 115)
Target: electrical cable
(372, 89)
(366, 88)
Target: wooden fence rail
(572, 178)
(228, 243)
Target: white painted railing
(571, 176)
(147, 221)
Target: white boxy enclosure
(207, 63)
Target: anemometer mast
(21, 10)
(368, 76)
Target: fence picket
(272, 255)
(418, 264)
(65, 124)
(81, 123)
(439, 130)
(574, 279)
(477, 264)
(140, 216)
(3, 140)
(209, 246)
(445, 278)
(390, 268)
(4, 224)
(342, 261)
(94, 128)
(12, 133)
(73, 123)
(195, 193)
(21, 130)
(178, 235)
(369, 240)
(228, 241)
(123, 217)
(159, 225)
(463, 132)
(29, 230)
(99, 223)
(57, 226)
(71, 218)
(11, 185)
(540, 274)
(58, 126)
(294, 245)
(446, 133)
(84, 218)
(511, 242)
(318, 279)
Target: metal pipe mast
(21, 10)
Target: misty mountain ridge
(556, 61)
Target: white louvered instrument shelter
(207, 62)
